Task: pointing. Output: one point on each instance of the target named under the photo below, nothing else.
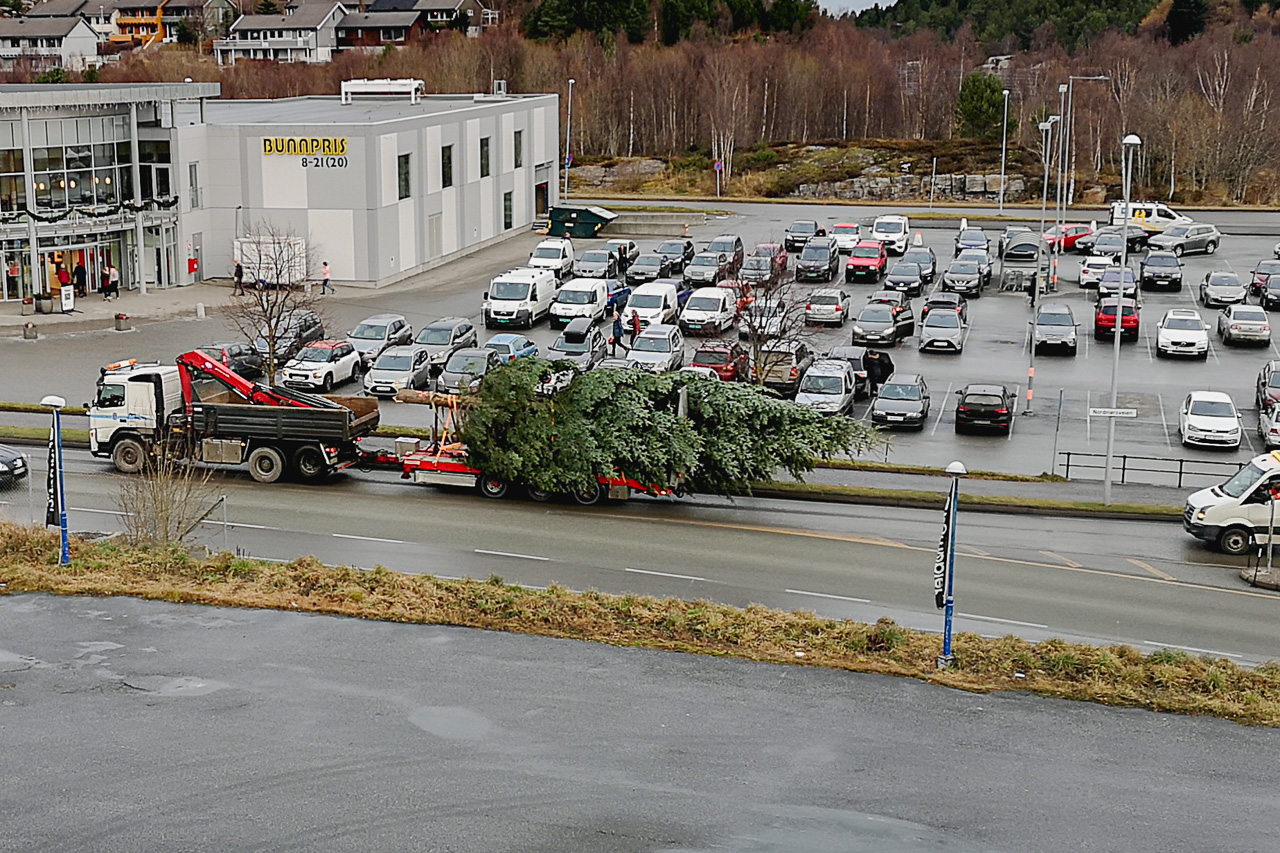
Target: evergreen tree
(267, 7)
(1186, 20)
(980, 106)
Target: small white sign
(1113, 413)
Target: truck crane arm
(196, 363)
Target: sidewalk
(93, 312)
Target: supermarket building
(158, 180)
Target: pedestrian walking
(238, 275)
(104, 282)
(64, 277)
(622, 261)
(325, 287)
(635, 328)
(617, 332)
(80, 280)
(113, 281)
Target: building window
(446, 166)
(402, 175)
(517, 146)
(484, 157)
(506, 211)
(193, 175)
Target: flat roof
(328, 109)
(56, 95)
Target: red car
(867, 261)
(1070, 234)
(727, 358)
(1104, 320)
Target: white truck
(1230, 514)
(555, 254)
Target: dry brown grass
(1118, 675)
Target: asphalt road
(1144, 583)
(147, 726)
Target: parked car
(1109, 245)
(783, 363)
(828, 305)
(1222, 287)
(980, 258)
(1104, 318)
(1160, 270)
(985, 405)
(707, 268)
(763, 318)
(906, 277)
(867, 261)
(1092, 268)
(322, 365)
(1067, 234)
(1182, 332)
(776, 251)
(709, 311)
(582, 343)
(726, 358)
(396, 369)
(236, 356)
(648, 268)
(927, 260)
(882, 325)
(828, 387)
(466, 368)
(658, 349)
(847, 234)
(701, 372)
(596, 263)
(511, 346)
(615, 363)
(679, 252)
(629, 249)
(819, 260)
(293, 331)
(1268, 386)
(731, 247)
(1262, 273)
(683, 288)
(555, 254)
(1269, 427)
(440, 338)
(896, 298)
(656, 303)
(1270, 296)
(892, 230)
(902, 401)
(1054, 326)
(941, 300)
(799, 232)
(854, 356)
(580, 297)
(1136, 235)
(963, 277)
(1189, 237)
(13, 466)
(374, 334)
(1209, 419)
(759, 271)
(618, 293)
(519, 297)
(972, 238)
(1244, 324)
(942, 331)
(1116, 278)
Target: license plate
(694, 325)
(981, 421)
(897, 417)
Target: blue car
(619, 293)
(684, 289)
(972, 238)
(511, 347)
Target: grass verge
(1165, 680)
(895, 468)
(40, 435)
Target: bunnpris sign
(306, 146)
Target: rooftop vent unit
(413, 88)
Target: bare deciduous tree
(163, 504)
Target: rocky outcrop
(911, 187)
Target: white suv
(893, 231)
(1182, 332)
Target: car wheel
(492, 487)
(1210, 247)
(1159, 353)
(309, 464)
(266, 464)
(1234, 541)
(327, 385)
(1177, 250)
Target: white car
(1209, 419)
(323, 364)
(1269, 426)
(1182, 332)
(555, 254)
(892, 230)
(828, 387)
(847, 235)
(828, 305)
(1092, 268)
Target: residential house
(101, 14)
(207, 18)
(374, 30)
(438, 14)
(309, 34)
(64, 42)
(139, 21)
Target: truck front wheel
(129, 455)
(266, 464)
(1234, 541)
(310, 464)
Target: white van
(580, 297)
(1228, 515)
(1151, 215)
(555, 254)
(655, 302)
(892, 230)
(709, 311)
(519, 297)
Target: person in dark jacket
(879, 367)
(617, 332)
(80, 279)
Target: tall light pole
(56, 512)
(568, 140)
(1004, 148)
(1071, 127)
(1059, 214)
(944, 569)
(1130, 144)
(1046, 129)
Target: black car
(902, 401)
(857, 359)
(927, 260)
(963, 277)
(1160, 270)
(905, 277)
(986, 406)
(819, 260)
(677, 252)
(799, 232)
(292, 332)
(941, 300)
(1269, 296)
(237, 357)
(1136, 234)
(648, 268)
(13, 467)
(972, 238)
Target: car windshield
(393, 362)
(866, 252)
(463, 363)
(964, 268)
(1113, 275)
(562, 345)
(671, 249)
(756, 263)
(972, 236)
(1162, 261)
(509, 290)
(720, 246)
(1213, 408)
(369, 332)
(1109, 240)
(499, 348)
(917, 256)
(434, 337)
(1177, 230)
(1252, 315)
(713, 356)
(1110, 310)
(875, 315)
(1055, 320)
(974, 255)
(824, 299)
(891, 226)
(547, 252)
(1184, 323)
(595, 257)
(645, 300)
(906, 270)
(1268, 268)
(648, 261)
(1274, 381)
(814, 253)
(1225, 279)
(766, 250)
(1242, 482)
(705, 261)
(576, 297)
(654, 343)
(766, 308)
(846, 229)
(982, 400)
(703, 303)
(943, 319)
(814, 383)
(317, 354)
(900, 392)
(803, 228)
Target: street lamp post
(1130, 144)
(1004, 148)
(1059, 214)
(57, 490)
(568, 140)
(1046, 129)
(947, 562)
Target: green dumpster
(577, 220)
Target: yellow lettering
(305, 146)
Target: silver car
(1055, 326)
(1221, 288)
(396, 369)
(827, 305)
(1189, 237)
(658, 349)
(376, 333)
(942, 331)
(828, 387)
(1244, 323)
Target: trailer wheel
(310, 464)
(492, 487)
(266, 464)
(589, 496)
(129, 456)
(539, 495)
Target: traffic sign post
(719, 166)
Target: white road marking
(1213, 351)
(1070, 563)
(231, 524)
(1002, 621)
(509, 554)
(1190, 649)
(666, 575)
(368, 538)
(942, 410)
(1147, 567)
(1163, 422)
(1088, 421)
(1150, 355)
(828, 595)
(98, 511)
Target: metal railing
(1125, 464)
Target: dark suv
(292, 332)
(239, 358)
(981, 405)
(1162, 270)
(799, 232)
(819, 260)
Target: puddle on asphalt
(451, 722)
(164, 685)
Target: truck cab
(1231, 514)
(132, 400)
